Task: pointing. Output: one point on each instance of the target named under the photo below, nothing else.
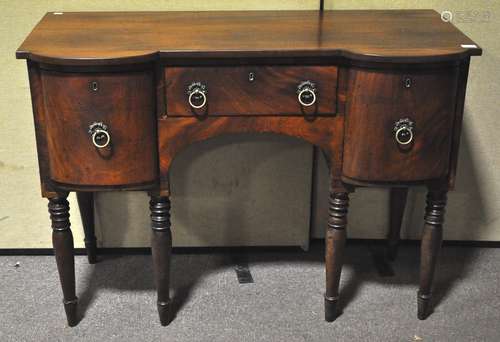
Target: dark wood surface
(123, 37)
(457, 124)
(161, 248)
(39, 119)
(62, 240)
(432, 237)
(86, 206)
(174, 134)
(142, 63)
(377, 99)
(273, 90)
(397, 204)
(335, 241)
(125, 103)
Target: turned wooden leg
(335, 241)
(62, 240)
(161, 246)
(397, 209)
(431, 243)
(86, 204)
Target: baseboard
(244, 249)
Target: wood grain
(397, 204)
(144, 61)
(62, 240)
(174, 134)
(125, 103)
(86, 206)
(335, 238)
(39, 119)
(432, 237)
(376, 100)
(272, 92)
(89, 38)
(457, 124)
(161, 249)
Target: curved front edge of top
(83, 61)
(165, 55)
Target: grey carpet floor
(284, 303)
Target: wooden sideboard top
(94, 38)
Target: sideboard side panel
(457, 127)
(47, 188)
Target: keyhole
(94, 86)
(407, 82)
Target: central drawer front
(250, 90)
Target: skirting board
(238, 250)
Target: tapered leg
(161, 246)
(335, 241)
(397, 208)
(86, 204)
(431, 243)
(62, 240)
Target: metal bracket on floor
(242, 269)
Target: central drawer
(251, 90)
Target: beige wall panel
(474, 208)
(473, 211)
(24, 221)
(230, 191)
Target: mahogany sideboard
(116, 95)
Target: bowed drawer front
(101, 127)
(247, 90)
(399, 124)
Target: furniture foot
(331, 308)
(423, 306)
(431, 244)
(62, 240)
(161, 247)
(71, 309)
(335, 242)
(86, 204)
(164, 312)
(397, 207)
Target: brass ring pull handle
(306, 93)
(404, 136)
(197, 95)
(99, 134)
(403, 131)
